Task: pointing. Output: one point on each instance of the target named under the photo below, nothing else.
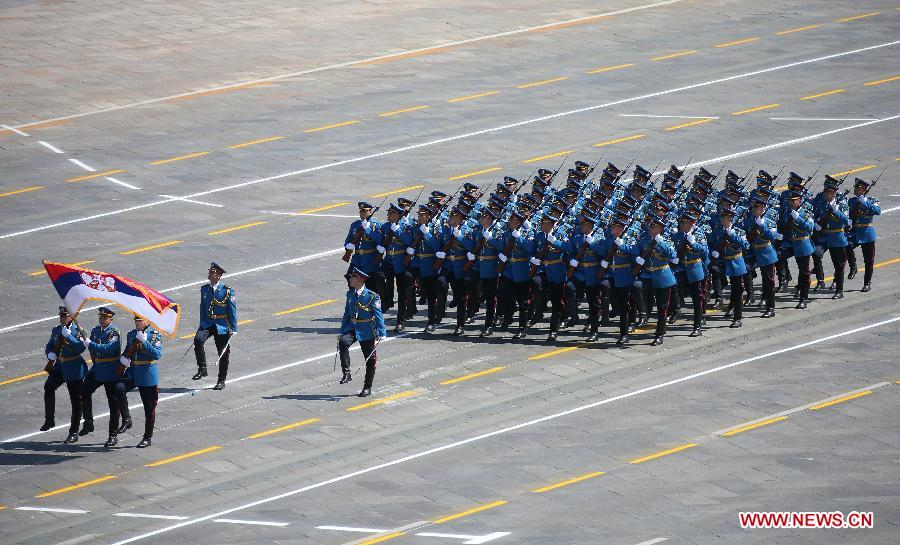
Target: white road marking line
(894, 209)
(50, 147)
(53, 510)
(253, 522)
(15, 130)
(325, 215)
(193, 201)
(82, 165)
(823, 118)
(502, 431)
(653, 541)
(356, 62)
(452, 139)
(471, 540)
(120, 182)
(146, 516)
(673, 116)
(353, 529)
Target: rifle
(636, 270)
(613, 248)
(129, 353)
(827, 217)
(57, 346)
(478, 248)
(418, 238)
(357, 236)
(390, 236)
(854, 214)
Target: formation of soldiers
(622, 245)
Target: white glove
(730, 231)
(380, 249)
(639, 260)
(778, 236)
(573, 262)
(395, 227)
(863, 199)
(691, 239)
(501, 257)
(124, 361)
(487, 235)
(51, 356)
(527, 225)
(675, 261)
(795, 214)
(349, 246)
(760, 221)
(365, 224)
(470, 256)
(379, 339)
(817, 227)
(604, 263)
(517, 233)
(411, 251)
(715, 254)
(834, 206)
(424, 229)
(140, 336)
(457, 232)
(440, 255)
(620, 242)
(589, 239)
(551, 238)
(658, 239)
(535, 261)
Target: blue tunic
(143, 370)
(69, 358)
(364, 253)
(695, 255)
(362, 315)
(761, 238)
(732, 253)
(218, 308)
(832, 223)
(863, 231)
(657, 262)
(798, 232)
(105, 347)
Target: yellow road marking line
(542, 157)
(753, 426)
(569, 24)
(93, 175)
(737, 42)
(283, 428)
(544, 82)
(854, 170)
(662, 453)
(673, 55)
(467, 512)
(690, 124)
(877, 265)
(457, 379)
(476, 173)
(239, 227)
(322, 208)
(382, 538)
(880, 81)
(609, 68)
(840, 400)
(254, 142)
(180, 158)
(75, 486)
(798, 29)
(555, 352)
(472, 97)
(305, 307)
(155, 246)
(332, 126)
(414, 108)
(616, 141)
(19, 379)
(243, 322)
(825, 94)
(44, 271)
(401, 395)
(567, 482)
(188, 336)
(23, 190)
(182, 456)
(394, 192)
(399, 56)
(758, 108)
(855, 17)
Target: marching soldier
(143, 348)
(362, 242)
(863, 210)
(692, 253)
(64, 351)
(798, 228)
(730, 242)
(218, 319)
(832, 217)
(104, 345)
(623, 279)
(362, 322)
(761, 234)
(657, 253)
(485, 257)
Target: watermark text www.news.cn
(806, 519)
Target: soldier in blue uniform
(587, 248)
(657, 253)
(363, 238)
(461, 242)
(516, 281)
(552, 267)
(485, 257)
(362, 322)
(622, 277)
(104, 345)
(762, 234)
(797, 227)
(863, 210)
(692, 253)
(143, 348)
(832, 217)
(729, 242)
(218, 319)
(64, 349)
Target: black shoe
(111, 442)
(86, 428)
(820, 285)
(719, 304)
(831, 287)
(586, 330)
(736, 323)
(398, 328)
(366, 392)
(423, 301)
(458, 331)
(126, 425)
(631, 328)
(703, 321)
(838, 295)
(728, 313)
(770, 312)
(801, 304)
(430, 328)
(866, 287)
(696, 332)
(570, 322)
(487, 332)
(645, 319)
(622, 341)
(451, 304)
(658, 340)
(675, 317)
(48, 424)
(145, 442)
(346, 378)
(200, 374)
(219, 385)
(470, 320)
(72, 438)
(552, 337)
(520, 334)
(852, 274)
(594, 337)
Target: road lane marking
(77, 264)
(662, 453)
(173, 198)
(543, 82)
(322, 208)
(255, 142)
(253, 522)
(757, 109)
(283, 428)
(396, 191)
(689, 124)
(753, 426)
(24, 377)
(853, 171)
(616, 141)
(147, 516)
(305, 307)
(237, 228)
(382, 538)
(53, 510)
(120, 182)
(610, 68)
(820, 119)
(825, 94)
(673, 55)
(799, 29)
(332, 126)
(96, 175)
(75, 486)
(464, 377)
(50, 147)
(179, 158)
(552, 155)
(383, 400)
(880, 81)
(469, 539)
(15, 130)
(567, 482)
(555, 352)
(153, 247)
(352, 529)
(23, 190)
(676, 116)
(471, 511)
(473, 97)
(182, 456)
(840, 400)
(857, 17)
(82, 165)
(737, 42)
(403, 111)
(653, 541)
(476, 173)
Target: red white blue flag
(76, 286)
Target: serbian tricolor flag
(76, 286)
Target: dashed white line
(823, 119)
(253, 522)
(192, 201)
(148, 516)
(672, 116)
(15, 130)
(82, 165)
(50, 147)
(53, 510)
(120, 182)
(353, 529)
(470, 540)
(653, 541)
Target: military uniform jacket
(395, 249)
(365, 251)
(863, 231)
(105, 347)
(69, 359)
(762, 239)
(695, 255)
(143, 370)
(362, 315)
(732, 253)
(554, 264)
(798, 232)
(487, 258)
(460, 246)
(594, 252)
(622, 262)
(657, 263)
(517, 264)
(832, 233)
(218, 308)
